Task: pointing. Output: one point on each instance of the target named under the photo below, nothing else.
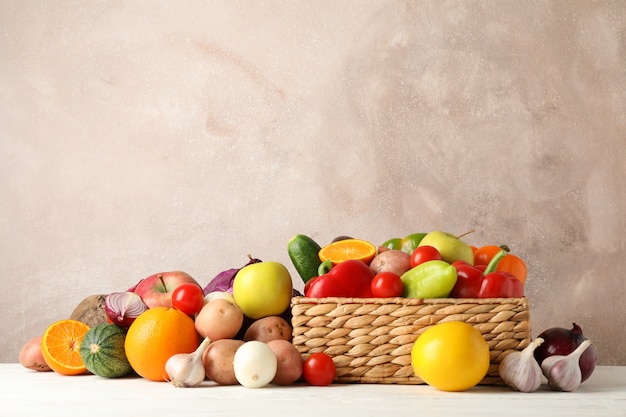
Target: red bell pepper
(468, 280)
(500, 284)
(352, 278)
(484, 282)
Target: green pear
(450, 247)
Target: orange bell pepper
(511, 263)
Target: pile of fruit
(236, 329)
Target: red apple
(156, 290)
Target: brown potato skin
(289, 362)
(269, 328)
(31, 357)
(218, 361)
(392, 260)
(219, 319)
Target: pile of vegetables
(245, 330)
(412, 267)
(420, 265)
(246, 340)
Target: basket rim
(408, 301)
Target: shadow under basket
(370, 339)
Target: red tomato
(188, 298)
(387, 284)
(319, 369)
(424, 253)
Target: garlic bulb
(186, 369)
(520, 371)
(563, 372)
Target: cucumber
(303, 252)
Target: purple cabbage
(224, 280)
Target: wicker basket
(370, 339)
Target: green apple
(263, 289)
(450, 247)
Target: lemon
(450, 356)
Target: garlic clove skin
(186, 369)
(563, 372)
(520, 371)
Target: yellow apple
(263, 289)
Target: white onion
(255, 364)
(213, 295)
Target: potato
(289, 360)
(219, 319)
(268, 328)
(218, 361)
(31, 356)
(391, 261)
(91, 310)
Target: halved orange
(60, 346)
(343, 250)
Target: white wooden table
(29, 393)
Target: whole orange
(156, 335)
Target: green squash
(102, 351)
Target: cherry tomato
(319, 369)
(387, 284)
(424, 253)
(188, 298)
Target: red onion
(122, 308)
(560, 341)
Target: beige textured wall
(143, 136)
